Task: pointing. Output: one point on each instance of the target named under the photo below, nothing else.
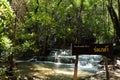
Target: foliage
(50, 23)
(54, 22)
(6, 16)
(6, 44)
(2, 73)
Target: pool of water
(64, 60)
(64, 66)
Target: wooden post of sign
(106, 68)
(76, 69)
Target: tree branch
(37, 7)
(59, 2)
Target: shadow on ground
(47, 72)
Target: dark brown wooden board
(92, 49)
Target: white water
(85, 63)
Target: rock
(29, 77)
(113, 74)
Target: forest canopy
(37, 25)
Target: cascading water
(89, 62)
(63, 59)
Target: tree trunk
(78, 39)
(115, 20)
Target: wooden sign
(94, 49)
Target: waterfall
(63, 59)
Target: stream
(64, 60)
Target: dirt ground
(47, 72)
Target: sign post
(106, 68)
(92, 49)
(76, 69)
